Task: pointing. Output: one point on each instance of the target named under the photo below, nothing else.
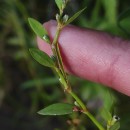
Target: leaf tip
(39, 112)
(29, 20)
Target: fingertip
(92, 55)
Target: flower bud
(114, 119)
(57, 17)
(65, 18)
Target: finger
(93, 55)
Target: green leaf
(106, 115)
(57, 109)
(41, 57)
(116, 126)
(109, 101)
(59, 3)
(75, 16)
(39, 29)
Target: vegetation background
(26, 86)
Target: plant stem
(85, 111)
(78, 101)
(62, 80)
(56, 35)
(63, 77)
(56, 50)
(93, 119)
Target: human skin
(93, 55)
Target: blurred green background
(26, 86)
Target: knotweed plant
(56, 63)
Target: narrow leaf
(57, 109)
(59, 3)
(116, 126)
(106, 115)
(38, 29)
(41, 57)
(74, 16)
